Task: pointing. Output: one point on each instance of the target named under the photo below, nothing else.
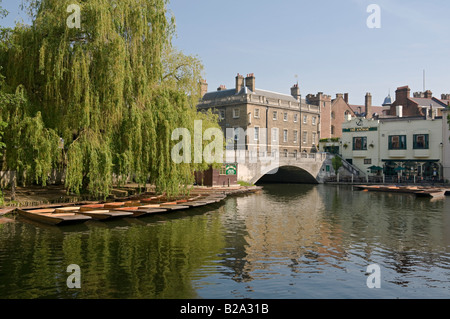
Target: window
(332, 129)
(314, 137)
(223, 170)
(236, 113)
(285, 135)
(397, 142)
(360, 143)
(420, 141)
(332, 115)
(305, 137)
(305, 119)
(314, 120)
(256, 133)
(222, 115)
(324, 104)
(367, 161)
(285, 116)
(274, 115)
(275, 134)
(295, 136)
(257, 113)
(236, 134)
(295, 118)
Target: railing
(351, 168)
(253, 156)
(383, 180)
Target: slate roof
(245, 91)
(435, 103)
(375, 109)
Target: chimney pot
(239, 82)
(250, 82)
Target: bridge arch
(306, 168)
(286, 174)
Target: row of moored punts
(135, 208)
(419, 191)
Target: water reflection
(154, 259)
(290, 241)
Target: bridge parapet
(252, 165)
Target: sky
(324, 45)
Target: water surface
(288, 242)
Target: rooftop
(424, 102)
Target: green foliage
(336, 162)
(113, 90)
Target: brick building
(334, 112)
(419, 104)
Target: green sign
(230, 169)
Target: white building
(446, 144)
(410, 147)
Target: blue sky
(325, 45)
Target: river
(287, 242)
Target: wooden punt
(105, 214)
(431, 193)
(174, 207)
(168, 203)
(138, 211)
(113, 205)
(419, 191)
(149, 206)
(150, 211)
(67, 209)
(48, 216)
(132, 203)
(91, 207)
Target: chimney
(221, 88)
(346, 97)
(250, 82)
(368, 105)
(239, 82)
(428, 94)
(402, 94)
(338, 95)
(203, 88)
(295, 92)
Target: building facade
(263, 121)
(446, 143)
(410, 147)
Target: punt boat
(139, 211)
(104, 214)
(49, 216)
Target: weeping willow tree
(112, 90)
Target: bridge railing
(254, 156)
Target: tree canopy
(99, 101)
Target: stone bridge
(288, 168)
